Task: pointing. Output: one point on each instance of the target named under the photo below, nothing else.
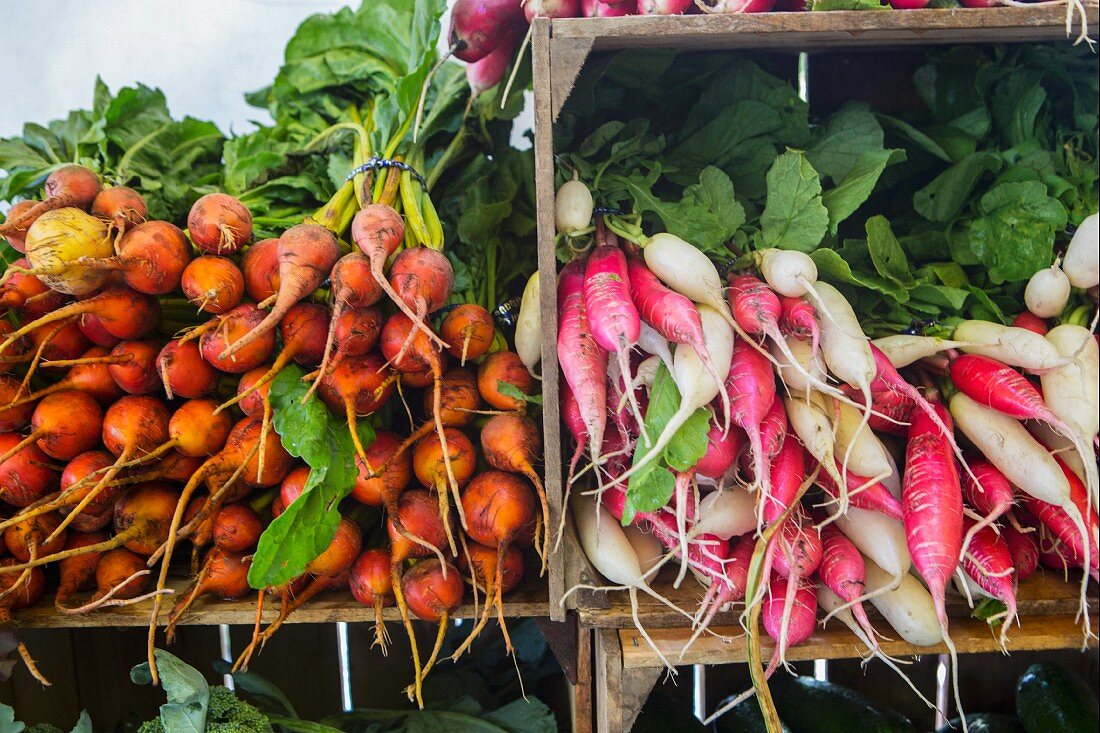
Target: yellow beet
(59, 237)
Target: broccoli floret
(229, 714)
(42, 728)
(151, 726)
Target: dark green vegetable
(813, 706)
(984, 723)
(663, 713)
(1051, 698)
(743, 718)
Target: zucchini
(811, 706)
(663, 713)
(744, 718)
(1051, 698)
(984, 723)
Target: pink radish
(750, 386)
(843, 571)
(672, 315)
(799, 319)
(583, 361)
(479, 26)
(988, 492)
(611, 314)
(664, 7)
(988, 562)
(789, 615)
(932, 503)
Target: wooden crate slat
(836, 641)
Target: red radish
(20, 286)
(357, 387)
(933, 517)
(17, 593)
(862, 493)
(303, 330)
(384, 474)
(423, 280)
(598, 9)
(988, 492)
(183, 371)
(583, 362)
(25, 477)
(77, 573)
(219, 224)
(17, 234)
(372, 586)
(799, 319)
(231, 329)
(723, 447)
(789, 614)
(90, 375)
(14, 415)
(151, 258)
(512, 443)
(674, 316)
(908, 4)
(122, 312)
(788, 472)
(224, 574)
(260, 268)
(64, 424)
(440, 461)
(506, 367)
(484, 74)
(213, 284)
(750, 386)
(736, 6)
(843, 571)
(307, 253)
(135, 369)
(433, 591)
(123, 207)
(354, 290)
(664, 7)
(69, 185)
(892, 410)
(93, 330)
(469, 329)
(1026, 319)
(1000, 387)
(1064, 527)
(479, 26)
(988, 562)
(1024, 549)
(612, 316)
(236, 528)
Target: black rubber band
(376, 163)
(604, 210)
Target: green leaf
(991, 611)
(524, 716)
(690, 444)
(794, 217)
(305, 529)
(832, 267)
(948, 298)
(857, 185)
(510, 390)
(8, 723)
(187, 690)
(707, 214)
(83, 723)
(886, 253)
(846, 135)
(943, 198)
(1014, 234)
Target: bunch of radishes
(848, 481)
(113, 422)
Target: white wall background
(204, 54)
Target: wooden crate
(560, 51)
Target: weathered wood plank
(835, 641)
(1043, 594)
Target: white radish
(646, 373)
(869, 456)
(1010, 345)
(805, 361)
(648, 548)
(694, 381)
(892, 481)
(1082, 261)
(573, 207)
(1047, 292)
(879, 537)
(1058, 444)
(529, 326)
(811, 420)
(651, 342)
(908, 607)
(902, 349)
(847, 354)
(1006, 443)
(685, 269)
(1072, 392)
(726, 513)
(609, 550)
(787, 272)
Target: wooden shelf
(528, 600)
(728, 644)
